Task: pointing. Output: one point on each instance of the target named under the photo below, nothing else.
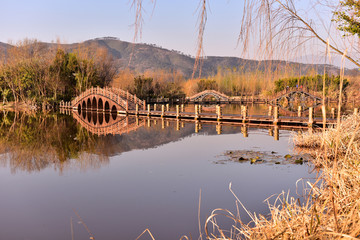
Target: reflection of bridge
(199, 97)
(125, 124)
(106, 123)
(105, 100)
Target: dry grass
(346, 137)
(330, 208)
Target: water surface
(53, 169)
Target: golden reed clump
(330, 208)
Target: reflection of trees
(34, 142)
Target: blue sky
(172, 24)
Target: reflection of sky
(156, 188)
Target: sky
(172, 24)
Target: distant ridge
(145, 57)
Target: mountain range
(142, 57)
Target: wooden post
(333, 112)
(311, 116)
(218, 128)
(182, 108)
(218, 112)
(323, 110)
(149, 109)
(135, 100)
(162, 110)
(270, 111)
(244, 131)
(177, 125)
(155, 107)
(199, 108)
(299, 111)
(137, 109)
(276, 115)
(196, 112)
(271, 132)
(196, 126)
(276, 133)
(167, 107)
(177, 111)
(356, 110)
(144, 105)
(127, 106)
(245, 113)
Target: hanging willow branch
(200, 40)
(139, 22)
(279, 26)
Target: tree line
(35, 72)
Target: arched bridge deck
(199, 97)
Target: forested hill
(150, 57)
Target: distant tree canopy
(207, 84)
(315, 83)
(33, 73)
(349, 17)
(144, 88)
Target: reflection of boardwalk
(106, 123)
(124, 124)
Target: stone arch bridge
(106, 99)
(199, 97)
(293, 98)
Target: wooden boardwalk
(121, 102)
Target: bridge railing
(296, 89)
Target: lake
(56, 176)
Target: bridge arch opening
(101, 118)
(84, 115)
(107, 107)
(94, 104)
(210, 98)
(83, 105)
(100, 105)
(79, 109)
(94, 117)
(89, 117)
(88, 104)
(114, 112)
(107, 117)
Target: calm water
(53, 169)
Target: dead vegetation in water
(329, 207)
(262, 157)
(341, 140)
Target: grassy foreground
(330, 208)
